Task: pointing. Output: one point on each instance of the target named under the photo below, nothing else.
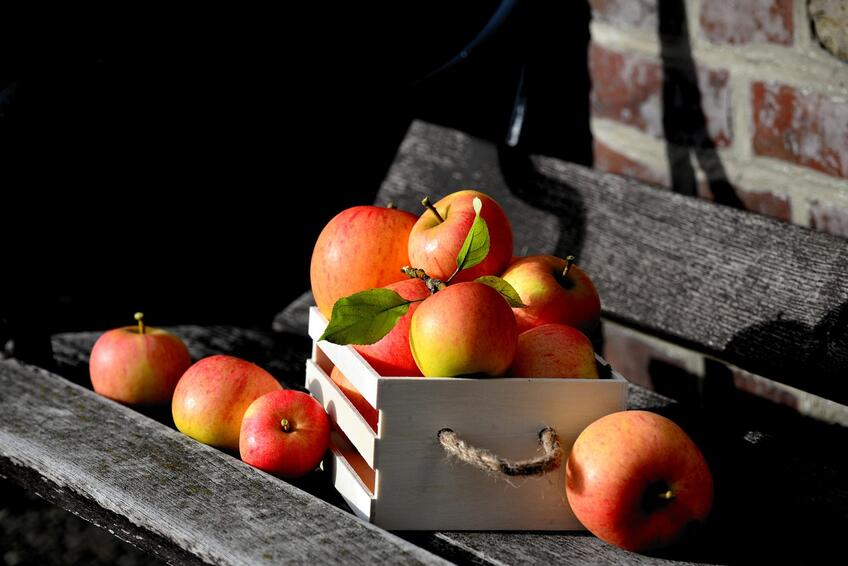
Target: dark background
(184, 163)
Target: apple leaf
(476, 245)
(504, 288)
(365, 317)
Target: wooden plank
(56, 436)
(769, 297)
(782, 490)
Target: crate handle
(490, 462)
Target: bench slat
(771, 467)
(767, 296)
(157, 485)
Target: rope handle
(486, 460)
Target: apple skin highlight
(467, 328)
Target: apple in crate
(391, 356)
(285, 433)
(466, 328)
(553, 290)
(360, 248)
(440, 232)
(138, 365)
(212, 396)
(554, 350)
(636, 480)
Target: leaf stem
(433, 285)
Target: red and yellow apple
(466, 328)
(554, 350)
(212, 396)
(435, 242)
(391, 356)
(361, 248)
(138, 365)
(550, 297)
(636, 480)
(285, 433)
(369, 413)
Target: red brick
(628, 88)
(807, 129)
(637, 14)
(766, 203)
(740, 22)
(829, 218)
(609, 160)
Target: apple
(554, 350)
(466, 328)
(285, 433)
(369, 413)
(551, 297)
(138, 365)
(435, 241)
(391, 356)
(636, 480)
(212, 396)
(360, 248)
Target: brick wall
(706, 95)
(690, 93)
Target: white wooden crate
(400, 478)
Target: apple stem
(391, 205)
(569, 261)
(139, 316)
(285, 424)
(431, 208)
(667, 495)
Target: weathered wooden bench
(765, 302)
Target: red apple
(636, 480)
(464, 329)
(391, 356)
(213, 395)
(285, 433)
(361, 248)
(434, 243)
(369, 413)
(554, 350)
(550, 297)
(138, 365)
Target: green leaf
(365, 317)
(476, 246)
(504, 288)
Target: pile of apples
(442, 296)
(222, 401)
(466, 305)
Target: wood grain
(769, 297)
(57, 436)
(782, 487)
